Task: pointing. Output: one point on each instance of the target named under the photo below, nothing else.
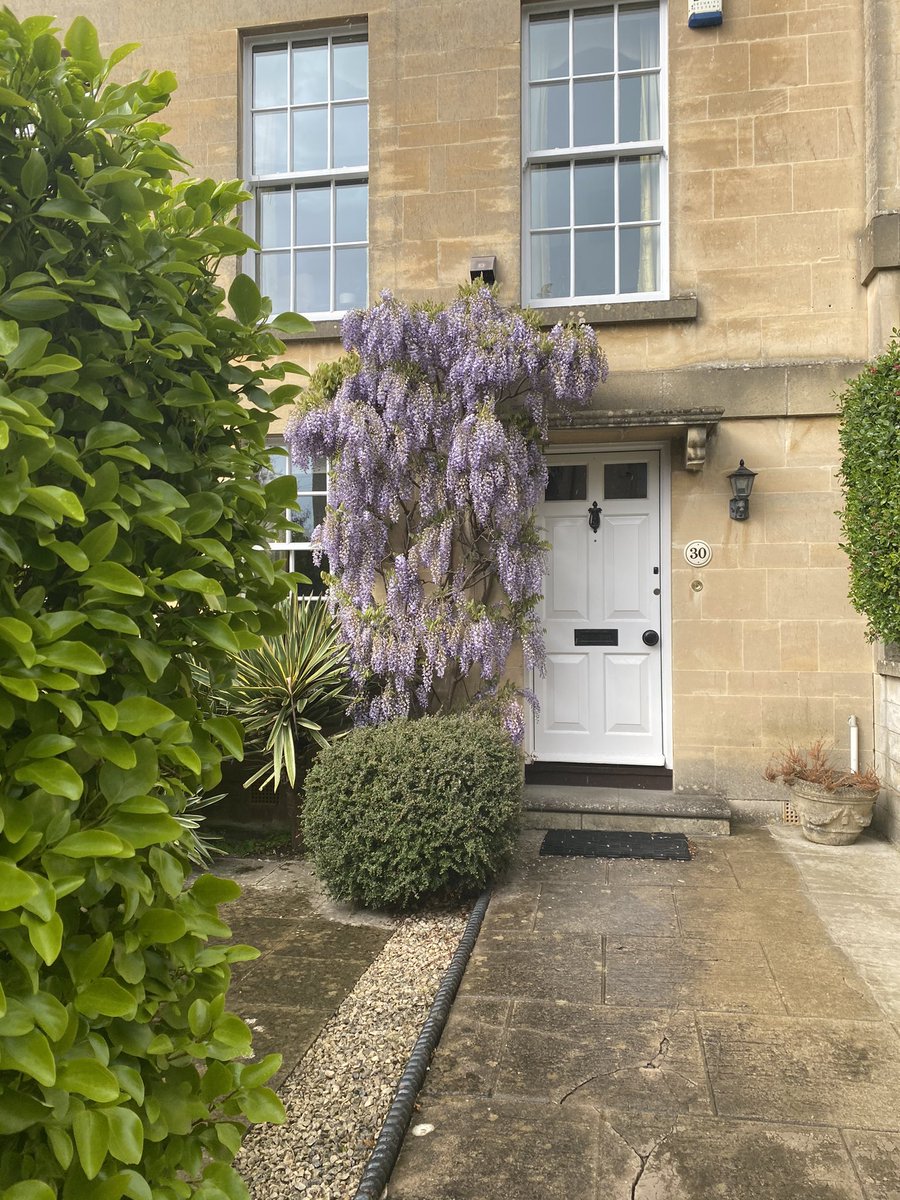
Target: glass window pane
(311, 481)
(351, 212)
(549, 265)
(351, 70)
(625, 481)
(639, 189)
(594, 112)
(270, 144)
(639, 259)
(595, 193)
(270, 77)
(302, 561)
(314, 281)
(314, 216)
(549, 197)
(639, 108)
(593, 43)
(275, 279)
(566, 483)
(310, 137)
(548, 39)
(350, 283)
(274, 219)
(351, 135)
(638, 38)
(309, 513)
(549, 116)
(310, 67)
(595, 263)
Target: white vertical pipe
(854, 743)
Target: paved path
(312, 954)
(724, 1028)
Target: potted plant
(290, 695)
(834, 805)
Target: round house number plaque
(698, 553)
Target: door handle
(594, 516)
(650, 637)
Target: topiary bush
(870, 474)
(133, 416)
(400, 814)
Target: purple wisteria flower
(434, 427)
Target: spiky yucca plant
(291, 694)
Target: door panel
(602, 703)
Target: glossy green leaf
(75, 656)
(126, 1134)
(193, 581)
(89, 843)
(137, 714)
(30, 1054)
(83, 44)
(45, 936)
(244, 298)
(261, 1104)
(114, 578)
(89, 1078)
(54, 776)
(105, 997)
(91, 1140)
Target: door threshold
(609, 775)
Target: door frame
(665, 572)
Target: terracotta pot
(832, 818)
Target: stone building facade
(721, 203)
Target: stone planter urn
(832, 818)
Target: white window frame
(606, 151)
(287, 547)
(289, 180)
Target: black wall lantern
(741, 482)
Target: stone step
(548, 806)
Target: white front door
(601, 696)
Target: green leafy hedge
(133, 414)
(400, 814)
(870, 472)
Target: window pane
(309, 513)
(594, 112)
(638, 38)
(310, 481)
(595, 263)
(351, 212)
(625, 481)
(270, 143)
(274, 219)
(549, 197)
(351, 135)
(639, 108)
(314, 281)
(310, 133)
(275, 280)
(595, 193)
(350, 277)
(566, 483)
(639, 254)
(351, 70)
(270, 77)
(314, 216)
(549, 265)
(549, 116)
(310, 68)
(593, 43)
(549, 46)
(639, 189)
(302, 561)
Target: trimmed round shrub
(413, 811)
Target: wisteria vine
(434, 425)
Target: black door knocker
(594, 516)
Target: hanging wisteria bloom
(434, 425)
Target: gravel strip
(338, 1097)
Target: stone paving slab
(585, 908)
(687, 972)
(841, 1073)
(876, 1157)
(820, 981)
(647, 1060)
(537, 965)
(754, 915)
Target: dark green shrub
(870, 472)
(133, 417)
(399, 814)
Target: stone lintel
(879, 248)
(324, 331)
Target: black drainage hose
(387, 1147)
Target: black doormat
(601, 843)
